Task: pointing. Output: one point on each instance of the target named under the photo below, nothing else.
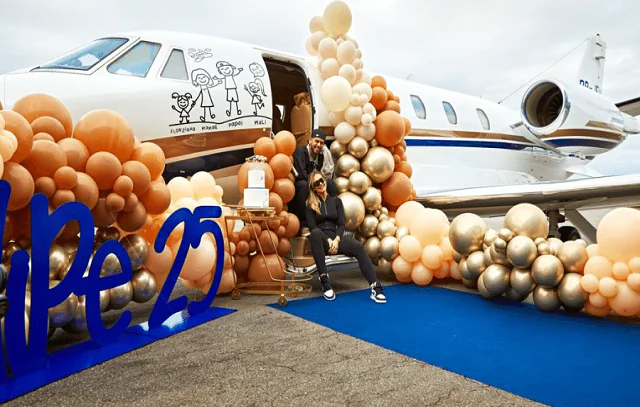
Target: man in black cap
(314, 156)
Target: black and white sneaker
(326, 288)
(377, 293)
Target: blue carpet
(556, 359)
(84, 355)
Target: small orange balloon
(65, 177)
(285, 188)
(378, 97)
(139, 174)
(105, 130)
(49, 125)
(407, 125)
(38, 105)
(130, 204)
(44, 159)
(101, 215)
(20, 128)
(43, 136)
(392, 105)
(157, 198)
(284, 247)
(123, 186)
(405, 168)
(390, 94)
(76, 152)
(293, 225)
(378, 81)
(281, 165)
(22, 185)
(86, 190)
(62, 196)
(45, 186)
(152, 156)
(104, 168)
(134, 220)
(389, 128)
(397, 189)
(265, 146)
(275, 201)
(114, 202)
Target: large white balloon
(336, 93)
(337, 18)
(328, 48)
(346, 52)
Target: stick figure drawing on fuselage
(254, 90)
(229, 71)
(183, 106)
(201, 79)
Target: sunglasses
(319, 182)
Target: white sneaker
(329, 295)
(377, 293)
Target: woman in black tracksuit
(325, 218)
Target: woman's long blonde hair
(313, 201)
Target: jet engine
(572, 118)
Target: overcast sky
(480, 47)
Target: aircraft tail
(591, 70)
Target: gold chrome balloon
(372, 199)
(457, 257)
(137, 248)
(489, 236)
(384, 266)
(383, 217)
(120, 296)
(513, 295)
(475, 265)
(369, 225)
(105, 298)
(500, 245)
(528, 220)
(555, 245)
(386, 228)
(505, 234)
(573, 256)
(342, 183)
(378, 164)
(521, 252)
(347, 165)
(571, 293)
(483, 289)
(497, 257)
(544, 249)
(8, 252)
(24, 242)
(539, 240)
(547, 271)
(384, 210)
(144, 286)
(402, 231)
(64, 312)
(496, 279)
(358, 147)
(389, 248)
(359, 182)
(110, 233)
(521, 281)
(337, 150)
(487, 256)
(78, 323)
(546, 299)
(110, 266)
(466, 233)
(470, 283)
(58, 261)
(372, 247)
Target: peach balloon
(152, 156)
(293, 225)
(51, 126)
(389, 128)
(61, 197)
(608, 287)
(180, 187)
(130, 203)
(281, 165)
(139, 174)
(86, 190)
(43, 136)
(285, 188)
(407, 212)
(618, 234)
(114, 202)
(620, 271)
(285, 142)
(204, 185)
(76, 152)
(265, 146)
(45, 186)
(227, 282)
(65, 178)
(199, 261)
(441, 271)
(393, 106)
(421, 275)
(105, 130)
(634, 265)
(633, 281)
(432, 256)
(6, 149)
(269, 241)
(596, 312)
(599, 266)
(429, 226)
(397, 189)
(626, 302)
(44, 159)
(104, 168)
(410, 248)
(159, 263)
(38, 105)
(401, 267)
(598, 300)
(590, 283)
(123, 186)
(21, 129)
(22, 185)
(275, 202)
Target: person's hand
(333, 247)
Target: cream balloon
(327, 48)
(353, 115)
(348, 72)
(316, 37)
(344, 132)
(346, 53)
(337, 18)
(316, 24)
(329, 68)
(367, 132)
(410, 248)
(618, 234)
(336, 93)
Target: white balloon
(366, 132)
(364, 99)
(366, 119)
(339, 41)
(316, 24)
(355, 99)
(346, 52)
(365, 77)
(316, 37)
(330, 67)
(344, 132)
(328, 48)
(337, 18)
(357, 63)
(336, 117)
(309, 48)
(353, 115)
(348, 72)
(369, 108)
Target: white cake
(256, 195)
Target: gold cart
(293, 285)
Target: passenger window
(484, 119)
(418, 107)
(136, 61)
(176, 67)
(451, 113)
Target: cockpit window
(86, 57)
(136, 61)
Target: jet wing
(630, 107)
(585, 193)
